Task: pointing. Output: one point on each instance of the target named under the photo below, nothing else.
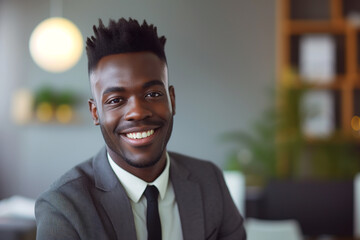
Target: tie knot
(151, 193)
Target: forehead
(128, 69)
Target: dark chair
(321, 207)
(12, 228)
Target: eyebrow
(153, 83)
(113, 89)
(122, 89)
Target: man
(109, 196)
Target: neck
(148, 174)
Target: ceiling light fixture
(56, 44)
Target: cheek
(110, 120)
(164, 111)
(170, 103)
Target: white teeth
(140, 135)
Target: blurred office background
(268, 88)
(221, 59)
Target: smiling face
(134, 107)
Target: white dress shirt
(168, 209)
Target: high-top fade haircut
(123, 36)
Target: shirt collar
(135, 186)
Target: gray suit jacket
(89, 203)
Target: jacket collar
(105, 179)
(113, 198)
(189, 200)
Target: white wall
(221, 56)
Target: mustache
(142, 123)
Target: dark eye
(154, 94)
(115, 101)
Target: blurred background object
(357, 206)
(273, 230)
(56, 44)
(45, 105)
(55, 105)
(17, 218)
(235, 181)
(301, 157)
(22, 105)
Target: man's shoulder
(75, 177)
(185, 159)
(81, 173)
(72, 188)
(193, 164)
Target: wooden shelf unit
(347, 79)
(296, 18)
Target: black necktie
(152, 215)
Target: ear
(172, 99)
(93, 111)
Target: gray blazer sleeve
(52, 222)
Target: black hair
(123, 36)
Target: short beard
(149, 164)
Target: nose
(136, 110)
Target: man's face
(134, 107)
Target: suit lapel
(189, 201)
(113, 198)
(118, 208)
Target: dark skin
(134, 106)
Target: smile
(140, 135)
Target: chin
(143, 161)
(141, 164)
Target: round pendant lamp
(56, 44)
